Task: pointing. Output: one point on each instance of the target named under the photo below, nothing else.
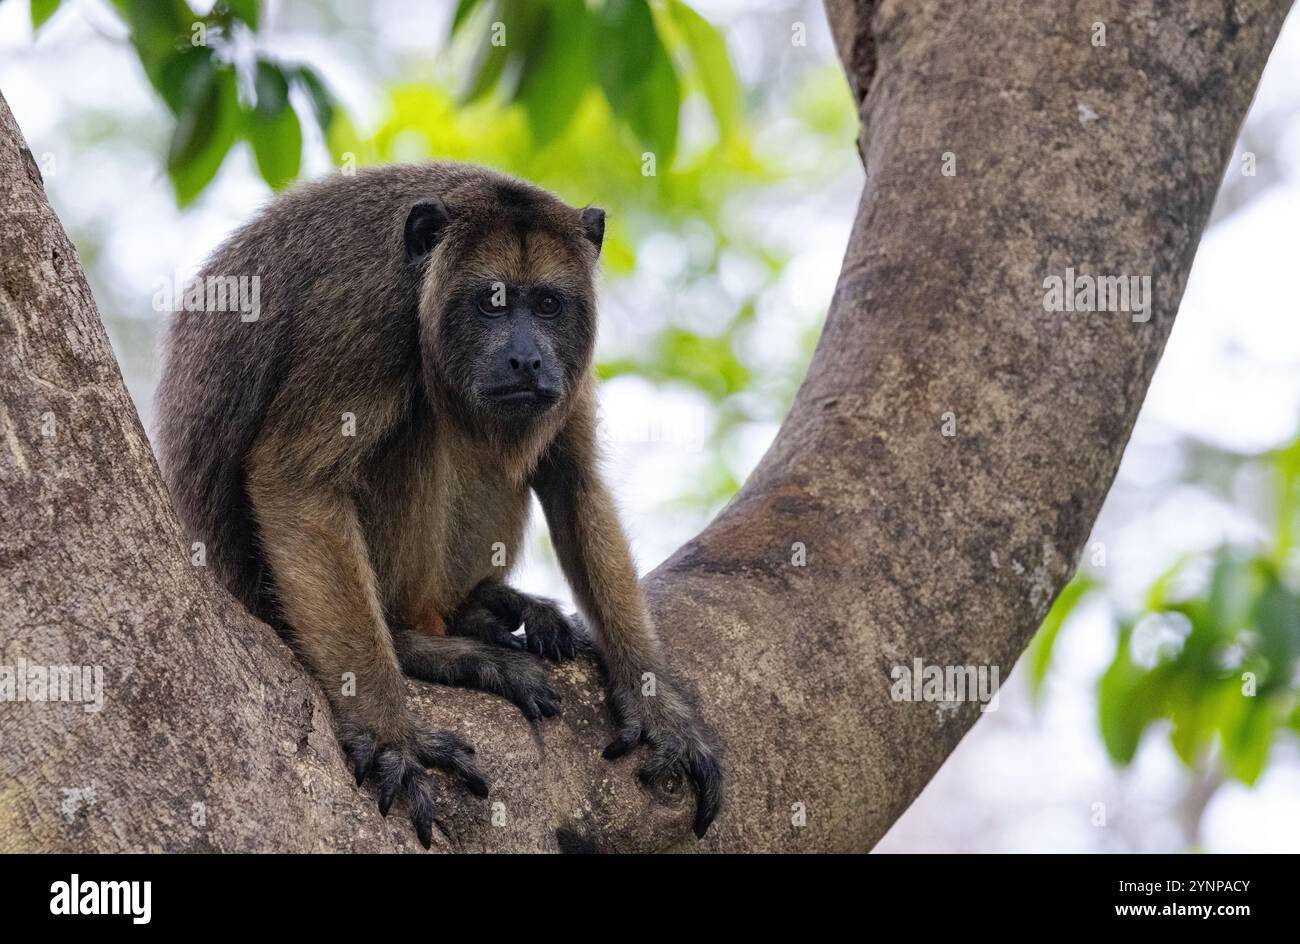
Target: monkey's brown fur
(351, 468)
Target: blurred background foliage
(726, 160)
(1211, 651)
(628, 104)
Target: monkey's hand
(678, 747)
(397, 764)
(549, 633)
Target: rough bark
(950, 549)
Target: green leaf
(485, 72)
(1040, 650)
(161, 30)
(1158, 597)
(42, 10)
(707, 363)
(654, 109)
(1233, 585)
(1129, 699)
(192, 68)
(627, 40)
(557, 69)
(271, 89)
(205, 128)
(1287, 465)
(712, 65)
(344, 140)
(1248, 735)
(322, 100)
(637, 75)
(463, 9)
(1191, 713)
(520, 18)
(246, 10)
(277, 145)
(1277, 617)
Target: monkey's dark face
(508, 312)
(527, 344)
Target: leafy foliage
(1214, 652)
(539, 54)
(193, 63)
(1039, 654)
(543, 55)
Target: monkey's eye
(548, 305)
(492, 301)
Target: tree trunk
(865, 539)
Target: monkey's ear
(593, 222)
(424, 225)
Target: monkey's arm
(327, 593)
(594, 554)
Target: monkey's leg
(326, 588)
(471, 663)
(493, 611)
(645, 702)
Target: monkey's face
(508, 312)
(519, 346)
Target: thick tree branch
(951, 549)
(1105, 159)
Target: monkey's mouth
(522, 397)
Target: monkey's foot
(513, 675)
(547, 632)
(493, 611)
(677, 745)
(398, 767)
(478, 622)
(472, 663)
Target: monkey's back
(337, 306)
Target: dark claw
(547, 702)
(706, 773)
(420, 791)
(627, 739)
(524, 683)
(424, 828)
(677, 750)
(458, 743)
(699, 766)
(452, 753)
(398, 769)
(391, 771)
(550, 634)
(361, 749)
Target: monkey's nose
(532, 365)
